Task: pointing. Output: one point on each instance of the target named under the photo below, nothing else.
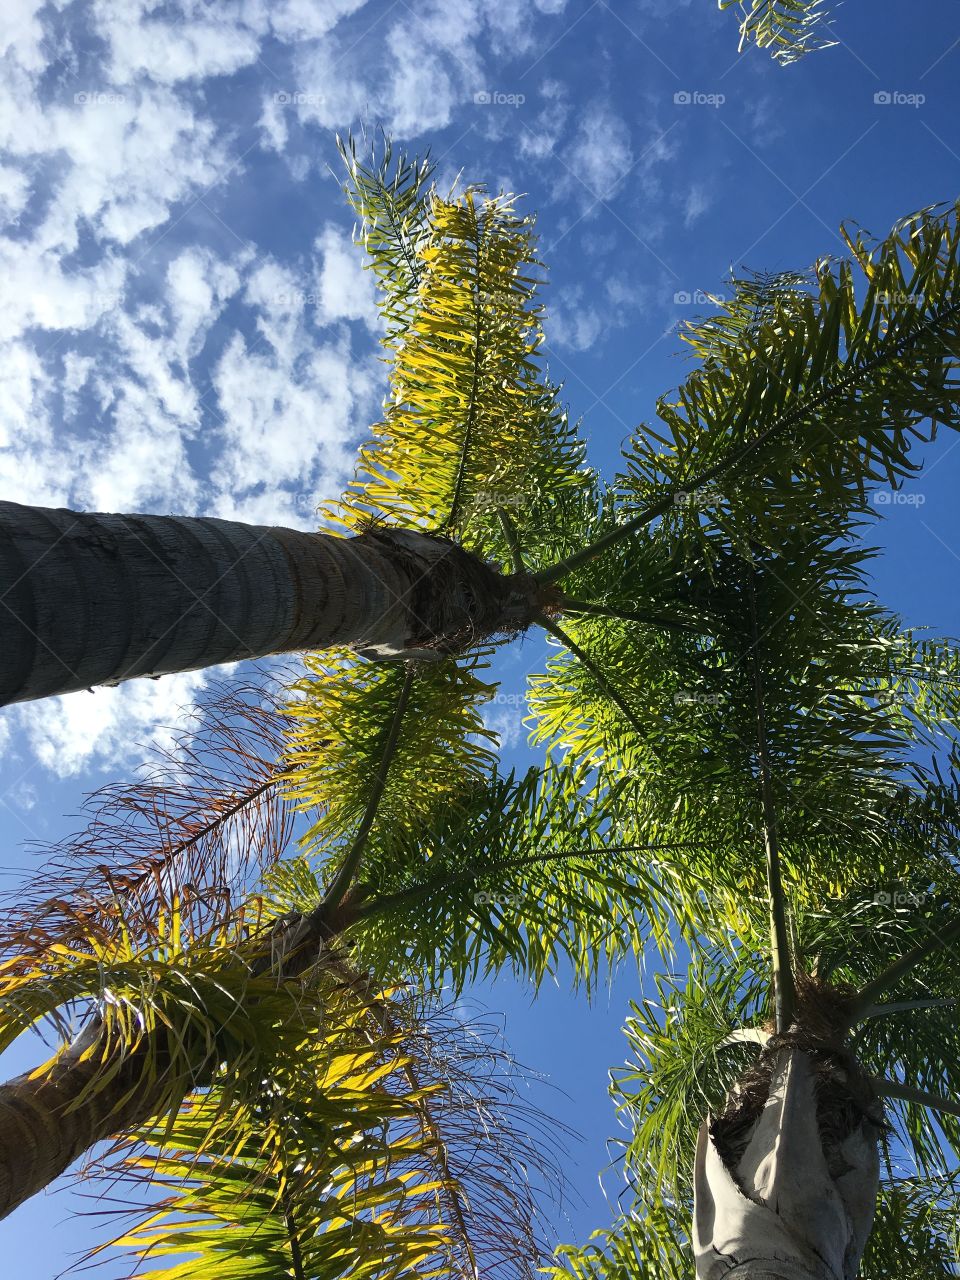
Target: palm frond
(391, 198)
(788, 28)
(340, 718)
(645, 1246)
(387, 1146)
(204, 819)
(524, 876)
(471, 426)
(914, 1233)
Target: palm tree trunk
(88, 599)
(786, 1181)
(48, 1122)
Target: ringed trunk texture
(786, 1180)
(47, 1123)
(88, 599)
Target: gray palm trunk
(786, 1182)
(89, 599)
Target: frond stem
(470, 424)
(866, 997)
(907, 1006)
(806, 406)
(377, 906)
(584, 658)
(936, 1101)
(296, 1257)
(512, 541)
(783, 985)
(344, 877)
(566, 605)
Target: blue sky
(186, 327)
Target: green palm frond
(914, 1233)
(313, 1184)
(645, 1246)
(341, 715)
(681, 733)
(391, 199)
(524, 876)
(788, 28)
(809, 393)
(471, 427)
(683, 1063)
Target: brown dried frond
(499, 1154)
(198, 827)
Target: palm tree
(419, 857)
(813, 1019)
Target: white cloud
(273, 124)
(39, 293)
(345, 291)
(599, 156)
(21, 33)
(124, 158)
(191, 46)
(695, 205)
(108, 728)
(198, 286)
(14, 192)
(141, 464)
(297, 20)
(571, 323)
(289, 418)
(432, 61)
(507, 725)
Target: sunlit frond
(788, 28)
(340, 720)
(386, 1146)
(471, 425)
